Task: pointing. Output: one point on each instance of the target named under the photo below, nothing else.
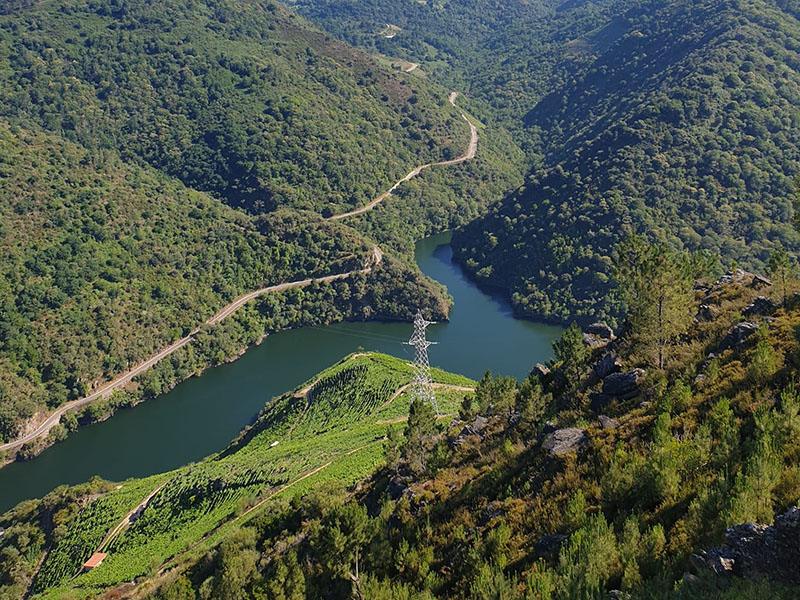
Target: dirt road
(105, 390)
(472, 150)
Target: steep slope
(546, 494)
(242, 100)
(506, 54)
(684, 126)
(330, 429)
(106, 263)
(116, 116)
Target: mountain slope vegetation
(328, 430)
(674, 119)
(547, 493)
(560, 486)
(684, 126)
(122, 127)
(242, 100)
(508, 55)
(106, 264)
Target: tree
(781, 268)
(392, 449)
(343, 535)
(420, 432)
(495, 394)
(571, 351)
(286, 580)
(532, 403)
(656, 284)
(236, 566)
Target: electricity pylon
(422, 384)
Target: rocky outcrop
(760, 282)
(624, 386)
(618, 386)
(601, 330)
(609, 363)
(475, 428)
(598, 335)
(754, 550)
(707, 312)
(607, 422)
(564, 441)
(541, 370)
(738, 335)
(761, 307)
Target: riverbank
(201, 414)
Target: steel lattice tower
(422, 384)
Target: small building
(94, 561)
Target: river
(202, 414)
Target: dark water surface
(201, 415)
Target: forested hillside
(242, 100)
(624, 468)
(685, 126)
(106, 263)
(508, 54)
(125, 128)
(675, 119)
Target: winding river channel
(201, 415)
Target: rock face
(609, 363)
(761, 306)
(598, 335)
(474, 428)
(623, 385)
(760, 282)
(607, 422)
(541, 370)
(563, 441)
(601, 330)
(707, 312)
(617, 386)
(753, 550)
(738, 334)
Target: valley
(235, 234)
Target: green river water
(201, 415)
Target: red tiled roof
(94, 560)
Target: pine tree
(420, 432)
(571, 351)
(656, 284)
(781, 268)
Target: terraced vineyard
(330, 429)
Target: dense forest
(241, 100)
(123, 125)
(685, 126)
(627, 467)
(103, 265)
(674, 119)
(505, 54)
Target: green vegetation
(702, 444)
(698, 148)
(330, 430)
(242, 100)
(114, 116)
(104, 266)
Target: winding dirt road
(375, 258)
(122, 380)
(472, 150)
